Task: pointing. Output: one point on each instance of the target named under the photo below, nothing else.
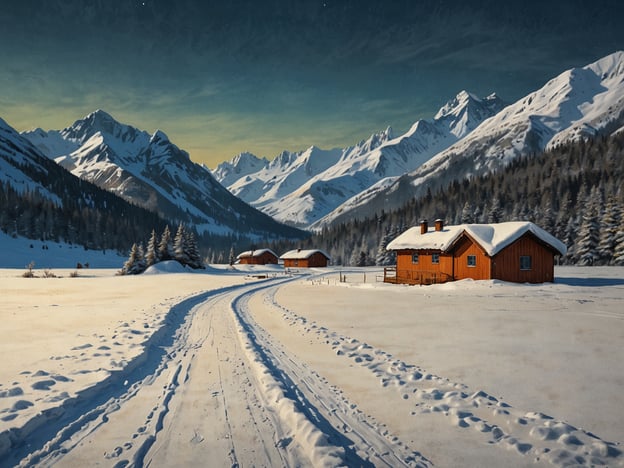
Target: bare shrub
(29, 273)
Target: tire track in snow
(527, 433)
(316, 416)
(54, 432)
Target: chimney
(439, 224)
(424, 226)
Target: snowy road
(212, 389)
(235, 377)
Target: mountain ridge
(293, 189)
(580, 102)
(151, 171)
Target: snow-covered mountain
(22, 166)
(151, 171)
(301, 188)
(580, 102)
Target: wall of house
(317, 260)
(263, 259)
(465, 247)
(313, 261)
(507, 262)
(408, 270)
(266, 258)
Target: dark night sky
(262, 76)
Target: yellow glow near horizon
(209, 140)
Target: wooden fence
(394, 276)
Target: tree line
(81, 213)
(182, 248)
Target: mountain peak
(455, 105)
(99, 114)
(610, 66)
(158, 136)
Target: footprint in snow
(11, 392)
(84, 346)
(21, 405)
(43, 384)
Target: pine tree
(179, 246)
(495, 212)
(618, 249)
(587, 243)
(548, 217)
(232, 256)
(141, 265)
(134, 265)
(165, 248)
(467, 214)
(190, 246)
(151, 256)
(385, 257)
(608, 229)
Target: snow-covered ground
(258, 366)
(18, 252)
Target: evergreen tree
(190, 246)
(232, 257)
(467, 214)
(608, 229)
(140, 263)
(385, 257)
(165, 248)
(586, 253)
(133, 266)
(548, 217)
(618, 248)
(151, 256)
(355, 258)
(495, 212)
(179, 246)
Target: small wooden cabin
(515, 251)
(257, 257)
(305, 259)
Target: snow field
(317, 416)
(538, 435)
(220, 368)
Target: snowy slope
(300, 188)
(21, 165)
(581, 102)
(18, 252)
(151, 171)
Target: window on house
(525, 262)
(435, 258)
(472, 260)
(414, 258)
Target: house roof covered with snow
(255, 253)
(491, 237)
(299, 254)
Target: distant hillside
(579, 103)
(149, 170)
(301, 188)
(41, 200)
(573, 191)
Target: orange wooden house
(515, 251)
(257, 257)
(305, 258)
